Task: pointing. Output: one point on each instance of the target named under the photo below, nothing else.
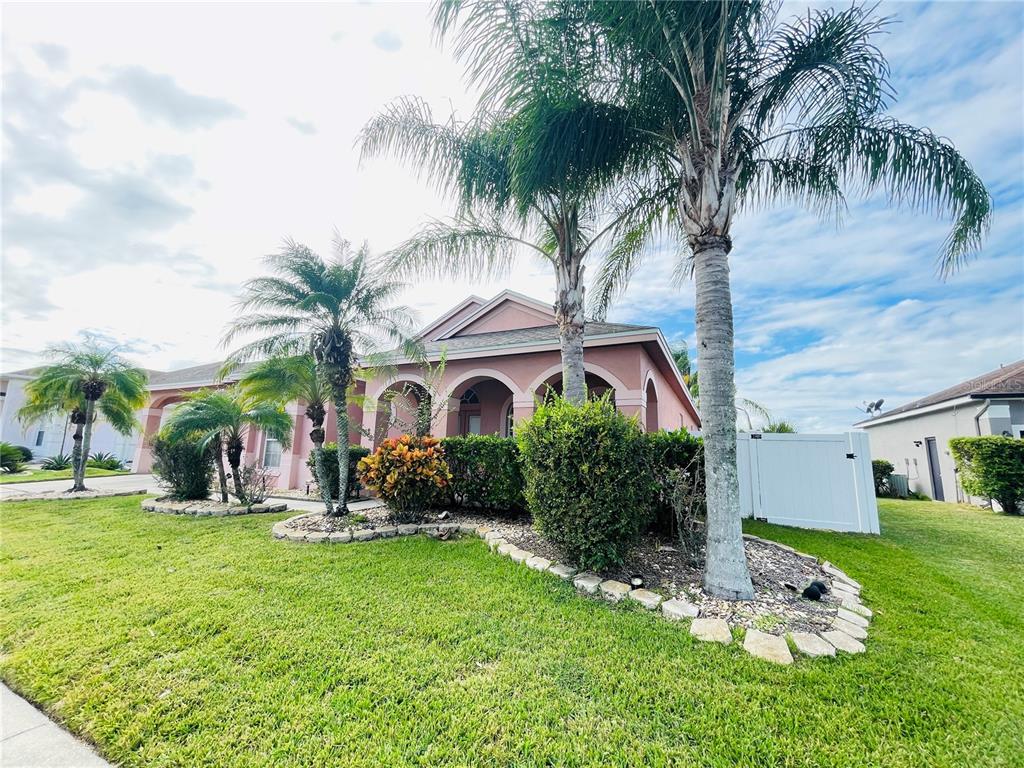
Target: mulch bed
(664, 567)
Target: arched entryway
(651, 398)
(399, 409)
(597, 386)
(480, 405)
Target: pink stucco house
(501, 355)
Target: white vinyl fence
(808, 481)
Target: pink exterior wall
(508, 316)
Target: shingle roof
(1005, 381)
(197, 374)
(538, 335)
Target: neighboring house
(53, 436)
(915, 437)
(501, 355)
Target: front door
(933, 469)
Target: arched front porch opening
(596, 387)
(651, 397)
(480, 406)
(397, 410)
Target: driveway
(113, 482)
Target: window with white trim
(271, 452)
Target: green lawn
(35, 475)
(181, 641)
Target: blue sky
(143, 180)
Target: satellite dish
(878, 405)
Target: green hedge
(355, 453)
(183, 466)
(667, 451)
(486, 472)
(992, 467)
(588, 482)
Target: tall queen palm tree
(326, 309)
(224, 417)
(743, 109)
(284, 379)
(87, 381)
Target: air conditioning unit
(900, 485)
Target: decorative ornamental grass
(171, 641)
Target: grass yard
(36, 475)
(174, 641)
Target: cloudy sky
(153, 153)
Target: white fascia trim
(506, 294)
(933, 408)
(447, 315)
(663, 344)
(600, 340)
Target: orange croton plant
(409, 473)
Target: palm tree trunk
(725, 570)
(341, 420)
(221, 475)
(77, 460)
(90, 412)
(235, 449)
(570, 318)
(317, 436)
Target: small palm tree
(86, 380)
(284, 379)
(224, 417)
(327, 310)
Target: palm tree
(86, 380)
(225, 416)
(537, 169)
(741, 109)
(327, 310)
(284, 379)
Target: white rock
(491, 535)
(677, 609)
(857, 607)
(711, 630)
(340, 537)
(562, 571)
(768, 647)
(493, 544)
(296, 535)
(851, 629)
(614, 590)
(810, 644)
(364, 534)
(408, 529)
(387, 531)
(538, 563)
(587, 582)
(853, 618)
(646, 598)
(843, 641)
(316, 536)
(467, 528)
(520, 555)
(835, 573)
(507, 548)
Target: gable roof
(1005, 381)
(468, 302)
(514, 297)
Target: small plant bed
(657, 575)
(207, 507)
(74, 496)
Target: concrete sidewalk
(111, 482)
(29, 739)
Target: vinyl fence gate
(808, 481)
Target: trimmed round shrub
(408, 473)
(355, 453)
(485, 472)
(880, 470)
(588, 482)
(11, 459)
(992, 467)
(26, 453)
(183, 465)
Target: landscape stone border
(848, 633)
(206, 508)
(69, 496)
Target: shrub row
(485, 472)
(184, 466)
(992, 467)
